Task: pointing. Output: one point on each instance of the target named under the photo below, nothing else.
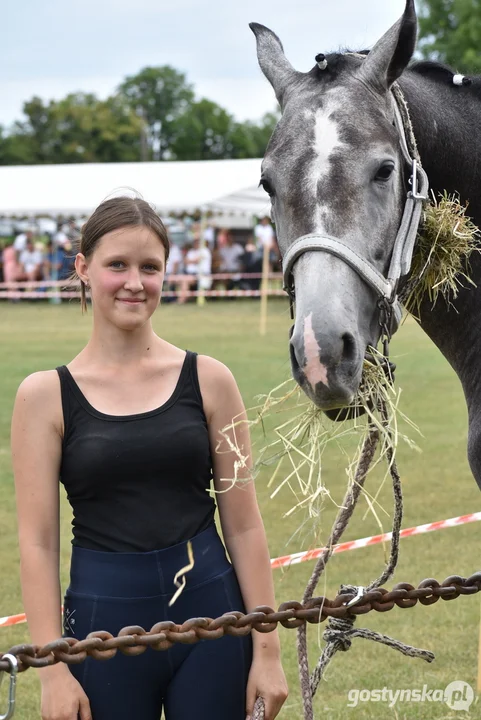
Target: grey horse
(334, 168)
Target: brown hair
(114, 214)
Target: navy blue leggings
(109, 591)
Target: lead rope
(347, 508)
(339, 632)
(259, 710)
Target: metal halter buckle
(413, 181)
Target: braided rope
(259, 710)
(340, 524)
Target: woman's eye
(384, 172)
(116, 264)
(151, 268)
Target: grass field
(437, 485)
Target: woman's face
(125, 273)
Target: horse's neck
(448, 132)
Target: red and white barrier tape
(297, 558)
(373, 540)
(15, 295)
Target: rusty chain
(134, 640)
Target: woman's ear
(81, 268)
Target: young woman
(132, 429)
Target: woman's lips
(130, 301)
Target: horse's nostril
(349, 349)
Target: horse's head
(334, 169)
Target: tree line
(154, 115)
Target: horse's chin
(336, 401)
(336, 406)
(347, 413)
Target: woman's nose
(133, 281)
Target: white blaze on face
(314, 370)
(326, 142)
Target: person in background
(61, 238)
(231, 254)
(51, 261)
(251, 263)
(265, 238)
(198, 262)
(73, 233)
(264, 233)
(58, 261)
(31, 263)
(11, 267)
(222, 237)
(21, 242)
(209, 236)
(174, 267)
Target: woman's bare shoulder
(40, 393)
(38, 385)
(217, 385)
(212, 371)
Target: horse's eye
(267, 187)
(384, 172)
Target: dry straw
(445, 242)
(296, 434)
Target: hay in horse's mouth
(295, 434)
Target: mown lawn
(437, 485)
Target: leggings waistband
(146, 574)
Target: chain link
(134, 640)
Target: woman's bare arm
(242, 526)
(36, 455)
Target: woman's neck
(109, 346)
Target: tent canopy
(228, 186)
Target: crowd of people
(218, 252)
(30, 259)
(191, 264)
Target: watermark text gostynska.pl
(458, 695)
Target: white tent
(221, 185)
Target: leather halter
(386, 288)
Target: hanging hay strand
(296, 434)
(440, 264)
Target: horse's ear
(392, 53)
(272, 60)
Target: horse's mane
(439, 72)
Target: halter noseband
(385, 287)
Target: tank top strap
(194, 376)
(66, 394)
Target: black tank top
(137, 483)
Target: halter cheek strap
(385, 287)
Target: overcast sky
(54, 47)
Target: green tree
(159, 95)
(37, 128)
(81, 128)
(249, 139)
(16, 146)
(203, 132)
(450, 31)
